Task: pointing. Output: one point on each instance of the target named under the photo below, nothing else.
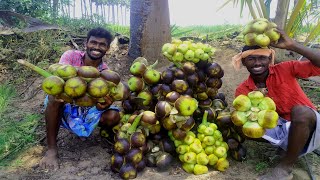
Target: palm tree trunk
(85, 8)
(108, 13)
(97, 11)
(81, 9)
(280, 20)
(104, 12)
(113, 17)
(55, 8)
(121, 11)
(69, 9)
(117, 14)
(125, 16)
(90, 5)
(74, 8)
(149, 28)
(282, 13)
(62, 9)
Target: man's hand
(55, 99)
(59, 100)
(284, 42)
(106, 104)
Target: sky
(205, 12)
(202, 12)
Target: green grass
(6, 93)
(261, 166)
(124, 30)
(15, 134)
(213, 32)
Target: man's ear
(270, 59)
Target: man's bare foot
(279, 173)
(50, 160)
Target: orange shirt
(283, 86)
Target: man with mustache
(79, 120)
(298, 129)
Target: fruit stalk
(177, 64)
(154, 65)
(205, 117)
(135, 124)
(40, 71)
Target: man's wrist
(103, 107)
(295, 46)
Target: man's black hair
(101, 33)
(246, 48)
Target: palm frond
(235, 3)
(264, 9)
(258, 8)
(242, 4)
(251, 9)
(302, 16)
(224, 4)
(294, 15)
(313, 34)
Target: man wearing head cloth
(298, 129)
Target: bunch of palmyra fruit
(83, 86)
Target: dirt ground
(90, 158)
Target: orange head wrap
(236, 60)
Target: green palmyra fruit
(186, 105)
(111, 76)
(53, 67)
(66, 71)
(85, 100)
(88, 73)
(120, 92)
(135, 84)
(75, 87)
(98, 88)
(53, 85)
(138, 68)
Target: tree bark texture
(55, 9)
(280, 20)
(149, 28)
(282, 13)
(113, 15)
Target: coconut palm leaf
(258, 8)
(313, 34)
(294, 15)
(298, 23)
(176, 32)
(251, 9)
(235, 3)
(264, 9)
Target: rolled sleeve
(304, 69)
